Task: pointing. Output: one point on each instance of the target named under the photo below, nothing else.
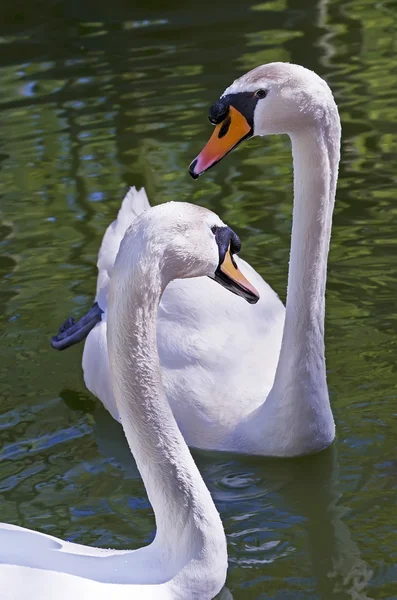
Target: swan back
(135, 202)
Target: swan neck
(181, 503)
(315, 169)
(299, 400)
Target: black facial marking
(244, 102)
(225, 236)
(235, 243)
(218, 111)
(224, 127)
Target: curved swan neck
(298, 405)
(186, 518)
(315, 172)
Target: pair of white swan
(243, 378)
(216, 358)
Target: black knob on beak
(218, 111)
(235, 243)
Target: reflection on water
(262, 499)
(95, 98)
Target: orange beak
(227, 135)
(231, 278)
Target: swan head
(188, 241)
(275, 98)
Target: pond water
(98, 96)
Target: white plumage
(188, 557)
(209, 343)
(235, 378)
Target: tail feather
(134, 203)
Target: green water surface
(97, 96)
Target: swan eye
(214, 229)
(261, 93)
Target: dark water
(97, 96)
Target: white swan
(188, 558)
(235, 377)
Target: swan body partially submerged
(243, 378)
